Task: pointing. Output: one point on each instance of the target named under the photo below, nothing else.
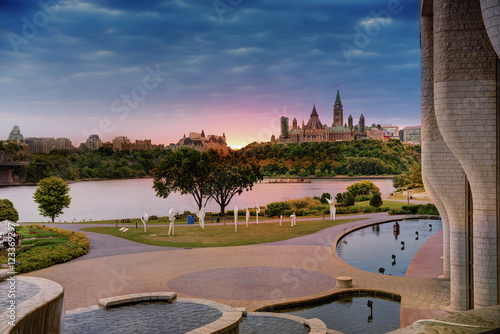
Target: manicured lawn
(219, 235)
(387, 203)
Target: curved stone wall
(465, 108)
(491, 16)
(41, 314)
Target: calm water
(23, 291)
(352, 315)
(255, 324)
(372, 247)
(114, 199)
(157, 317)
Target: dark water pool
(373, 247)
(254, 324)
(156, 317)
(350, 314)
(18, 291)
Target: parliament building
(315, 130)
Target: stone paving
(281, 272)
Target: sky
(159, 69)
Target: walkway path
(254, 276)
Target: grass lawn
(387, 203)
(220, 235)
(404, 194)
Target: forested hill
(357, 157)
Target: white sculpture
(144, 220)
(281, 218)
(293, 216)
(248, 216)
(201, 217)
(235, 218)
(257, 210)
(332, 207)
(171, 216)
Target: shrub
(376, 200)
(299, 212)
(385, 209)
(287, 212)
(427, 209)
(411, 209)
(362, 198)
(342, 210)
(277, 208)
(366, 209)
(354, 209)
(327, 211)
(398, 212)
(187, 213)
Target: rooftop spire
(314, 113)
(337, 100)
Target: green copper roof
(337, 100)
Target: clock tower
(338, 112)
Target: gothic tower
(338, 112)
(349, 122)
(294, 124)
(284, 127)
(362, 125)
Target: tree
(231, 174)
(363, 188)
(323, 198)
(52, 197)
(7, 211)
(185, 170)
(376, 200)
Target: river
(114, 199)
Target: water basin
(254, 324)
(149, 317)
(350, 314)
(371, 248)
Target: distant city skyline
(161, 69)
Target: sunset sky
(159, 69)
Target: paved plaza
(253, 276)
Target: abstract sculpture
(257, 210)
(235, 218)
(293, 216)
(201, 217)
(332, 207)
(281, 218)
(248, 216)
(144, 220)
(171, 216)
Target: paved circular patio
(252, 283)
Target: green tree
(231, 174)
(363, 188)
(52, 197)
(376, 200)
(7, 211)
(185, 170)
(323, 198)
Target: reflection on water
(114, 199)
(254, 324)
(386, 248)
(352, 314)
(157, 317)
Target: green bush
(362, 198)
(342, 210)
(287, 213)
(323, 198)
(277, 208)
(354, 209)
(376, 200)
(411, 209)
(299, 212)
(398, 212)
(366, 209)
(427, 209)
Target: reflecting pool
(156, 317)
(351, 314)
(254, 324)
(379, 248)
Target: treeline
(103, 163)
(351, 158)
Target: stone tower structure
(349, 122)
(338, 112)
(362, 125)
(294, 124)
(284, 127)
(460, 52)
